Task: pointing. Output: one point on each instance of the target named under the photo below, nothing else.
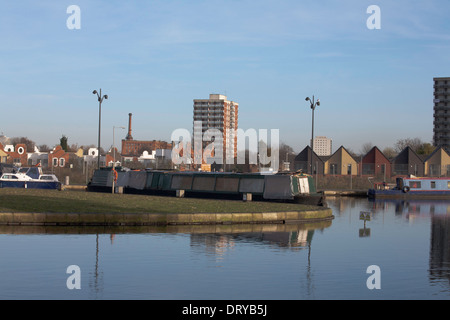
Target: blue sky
(153, 58)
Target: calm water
(409, 242)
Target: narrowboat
(29, 178)
(413, 188)
(289, 187)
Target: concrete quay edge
(161, 219)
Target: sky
(153, 58)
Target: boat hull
(50, 185)
(399, 194)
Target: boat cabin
(15, 177)
(423, 184)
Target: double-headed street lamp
(100, 100)
(313, 107)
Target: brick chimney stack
(129, 136)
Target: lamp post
(114, 156)
(313, 107)
(100, 100)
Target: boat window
(433, 184)
(415, 184)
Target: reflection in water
(255, 261)
(96, 284)
(216, 241)
(290, 236)
(413, 208)
(439, 213)
(440, 248)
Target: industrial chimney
(129, 136)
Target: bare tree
(366, 147)
(389, 152)
(74, 147)
(414, 144)
(24, 140)
(44, 148)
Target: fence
(377, 170)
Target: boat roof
(426, 178)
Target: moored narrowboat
(280, 187)
(413, 188)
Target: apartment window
(62, 161)
(55, 162)
(433, 184)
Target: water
(409, 242)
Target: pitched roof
(304, 155)
(342, 148)
(407, 152)
(436, 151)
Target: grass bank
(53, 201)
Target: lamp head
(94, 92)
(307, 99)
(318, 102)
(106, 96)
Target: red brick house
(58, 157)
(16, 155)
(375, 163)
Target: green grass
(53, 201)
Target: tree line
(63, 142)
(286, 152)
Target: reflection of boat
(415, 207)
(413, 188)
(281, 187)
(29, 178)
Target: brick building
(135, 148)
(16, 155)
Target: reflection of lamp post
(114, 157)
(100, 100)
(313, 107)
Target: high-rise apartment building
(218, 113)
(322, 146)
(441, 123)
